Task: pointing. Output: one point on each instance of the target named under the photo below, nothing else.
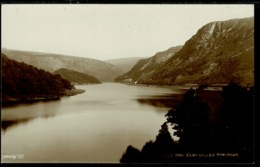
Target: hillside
(52, 62)
(76, 77)
(144, 68)
(22, 82)
(124, 64)
(220, 52)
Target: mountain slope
(22, 82)
(220, 52)
(52, 62)
(144, 68)
(124, 64)
(76, 77)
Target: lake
(93, 127)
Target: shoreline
(183, 87)
(74, 92)
(34, 98)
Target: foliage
(76, 77)
(161, 149)
(231, 132)
(20, 81)
(158, 151)
(236, 120)
(132, 155)
(191, 121)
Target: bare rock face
(220, 52)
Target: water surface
(96, 126)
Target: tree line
(76, 77)
(21, 81)
(225, 136)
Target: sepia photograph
(127, 83)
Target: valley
(67, 108)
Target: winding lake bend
(93, 127)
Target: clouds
(108, 31)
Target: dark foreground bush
(227, 139)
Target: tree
(21, 81)
(132, 155)
(232, 133)
(161, 149)
(190, 120)
(235, 121)
(164, 143)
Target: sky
(108, 31)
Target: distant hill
(220, 52)
(124, 64)
(146, 67)
(52, 62)
(25, 82)
(76, 77)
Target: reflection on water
(162, 101)
(12, 123)
(21, 113)
(15, 103)
(8, 124)
(95, 126)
